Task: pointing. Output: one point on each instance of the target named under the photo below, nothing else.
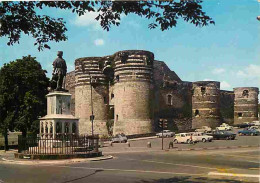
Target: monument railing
(61, 144)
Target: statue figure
(59, 71)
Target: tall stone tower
(246, 104)
(85, 69)
(205, 104)
(133, 92)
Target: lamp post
(92, 113)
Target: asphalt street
(156, 143)
(140, 164)
(224, 165)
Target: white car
(165, 133)
(202, 137)
(224, 126)
(119, 138)
(255, 123)
(204, 129)
(257, 128)
(184, 138)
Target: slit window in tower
(117, 117)
(203, 90)
(100, 66)
(105, 100)
(240, 114)
(197, 112)
(117, 78)
(169, 99)
(112, 95)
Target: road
(209, 166)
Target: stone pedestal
(59, 119)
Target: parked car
(254, 123)
(184, 138)
(119, 138)
(242, 125)
(165, 133)
(248, 131)
(203, 129)
(202, 137)
(217, 135)
(255, 128)
(224, 126)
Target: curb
(37, 162)
(214, 148)
(135, 139)
(143, 138)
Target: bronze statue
(59, 71)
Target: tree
(21, 17)
(23, 86)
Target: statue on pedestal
(59, 72)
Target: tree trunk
(6, 139)
(24, 133)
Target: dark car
(248, 131)
(242, 125)
(217, 135)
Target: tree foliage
(23, 86)
(22, 17)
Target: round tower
(91, 93)
(246, 104)
(133, 92)
(205, 104)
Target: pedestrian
(171, 145)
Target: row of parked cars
(206, 134)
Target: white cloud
(250, 72)
(86, 20)
(225, 85)
(208, 79)
(218, 71)
(253, 70)
(241, 74)
(99, 42)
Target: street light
(92, 113)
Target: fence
(62, 144)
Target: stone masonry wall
(246, 104)
(206, 104)
(70, 85)
(227, 106)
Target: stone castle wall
(246, 104)
(227, 106)
(206, 104)
(85, 68)
(70, 85)
(133, 91)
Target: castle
(132, 91)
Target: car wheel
(204, 140)
(227, 138)
(252, 134)
(240, 134)
(175, 141)
(210, 140)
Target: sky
(228, 51)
